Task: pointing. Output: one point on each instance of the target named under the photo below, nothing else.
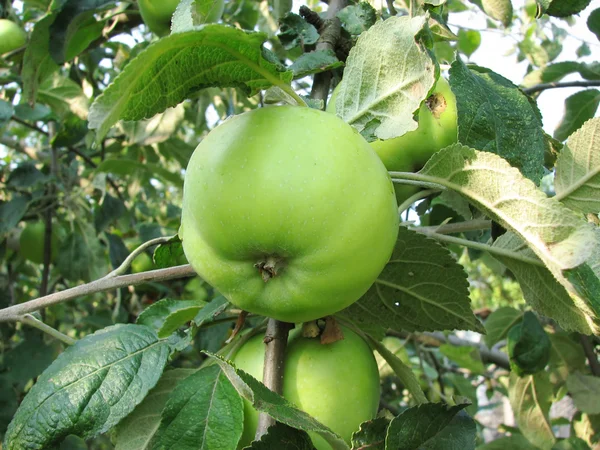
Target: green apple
(11, 36)
(31, 242)
(288, 212)
(437, 129)
(157, 14)
(142, 263)
(337, 384)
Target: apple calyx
(270, 267)
(436, 104)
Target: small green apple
(31, 242)
(288, 212)
(157, 14)
(337, 384)
(11, 36)
(142, 263)
(437, 129)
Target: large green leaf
(265, 400)
(214, 55)
(137, 430)
(530, 397)
(565, 243)
(577, 181)
(90, 387)
(388, 73)
(203, 411)
(419, 424)
(422, 288)
(579, 108)
(495, 116)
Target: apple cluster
(290, 214)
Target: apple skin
(157, 14)
(11, 36)
(337, 384)
(437, 129)
(293, 186)
(31, 242)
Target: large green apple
(31, 242)
(337, 384)
(437, 129)
(288, 212)
(157, 14)
(11, 36)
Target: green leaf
(499, 322)
(417, 425)
(203, 411)
(143, 171)
(110, 210)
(528, 346)
(579, 108)
(167, 315)
(137, 430)
(90, 387)
(37, 62)
(468, 41)
(75, 27)
(583, 50)
(587, 427)
(12, 212)
(6, 112)
(495, 116)
(193, 13)
(565, 243)
(543, 292)
(314, 62)
(215, 55)
(422, 288)
(530, 398)
(170, 254)
(577, 181)
(388, 73)
(295, 31)
(282, 437)
(566, 357)
(464, 388)
(571, 443)
(267, 401)
(81, 257)
(371, 434)
(459, 434)
(593, 22)
(585, 391)
(501, 10)
(357, 18)
(215, 307)
(467, 357)
(557, 71)
(564, 8)
(403, 372)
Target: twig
(458, 227)
(276, 338)
(564, 84)
(51, 192)
(487, 355)
(479, 246)
(413, 198)
(590, 353)
(14, 313)
(28, 319)
(134, 254)
(330, 34)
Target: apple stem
(275, 340)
